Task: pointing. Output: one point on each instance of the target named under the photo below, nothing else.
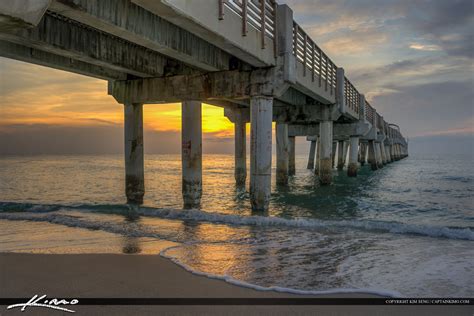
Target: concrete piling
(361, 157)
(134, 162)
(240, 172)
(261, 109)
(282, 151)
(372, 155)
(191, 153)
(292, 155)
(326, 153)
(333, 154)
(341, 154)
(378, 155)
(318, 156)
(353, 156)
(312, 154)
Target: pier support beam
(341, 154)
(378, 155)
(191, 153)
(353, 156)
(326, 153)
(361, 159)
(333, 154)
(240, 171)
(387, 154)
(372, 155)
(312, 154)
(318, 155)
(260, 151)
(292, 155)
(134, 163)
(282, 151)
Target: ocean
(405, 230)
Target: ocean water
(404, 230)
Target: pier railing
(369, 113)
(259, 14)
(314, 60)
(262, 16)
(352, 96)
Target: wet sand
(151, 276)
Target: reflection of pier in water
(249, 57)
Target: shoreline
(152, 276)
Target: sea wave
(263, 221)
(231, 280)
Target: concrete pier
(333, 154)
(372, 155)
(134, 162)
(261, 109)
(383, 156)
(282, 153)
(353, 156)
(378, 155)
(240, 135)
(318, 156)
(362, 152)
(387, 154)
(292, 155)
(326, 152)
(312, 154)
(191, 153)
(341, 154)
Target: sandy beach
(150, 276)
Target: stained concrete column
(382, 154)
(378, 155)
(372, 155)
(333, 154)
(318, 155)
(340, 155)
(361, 157)
(326, 152)
(191, 153)
(282, 151)
(387, 154)
(134, 162)
(260, 151)
(353, 155)
(392, 151)
(240, 171)
(312, 153)
(292, 155)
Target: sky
(413, 60)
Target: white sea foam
(231, 280)
(271, 221)
(390, 227)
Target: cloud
(439, 108)
(429, 48)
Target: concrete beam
(233, 84)
(18, 14)
(61, 36)
(38, 57)
(129, 21)
(202, 18)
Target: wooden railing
(369, 113)
(352, 96)
(259, 14)
(316, 63)
(262, 16)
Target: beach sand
(151, 276)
